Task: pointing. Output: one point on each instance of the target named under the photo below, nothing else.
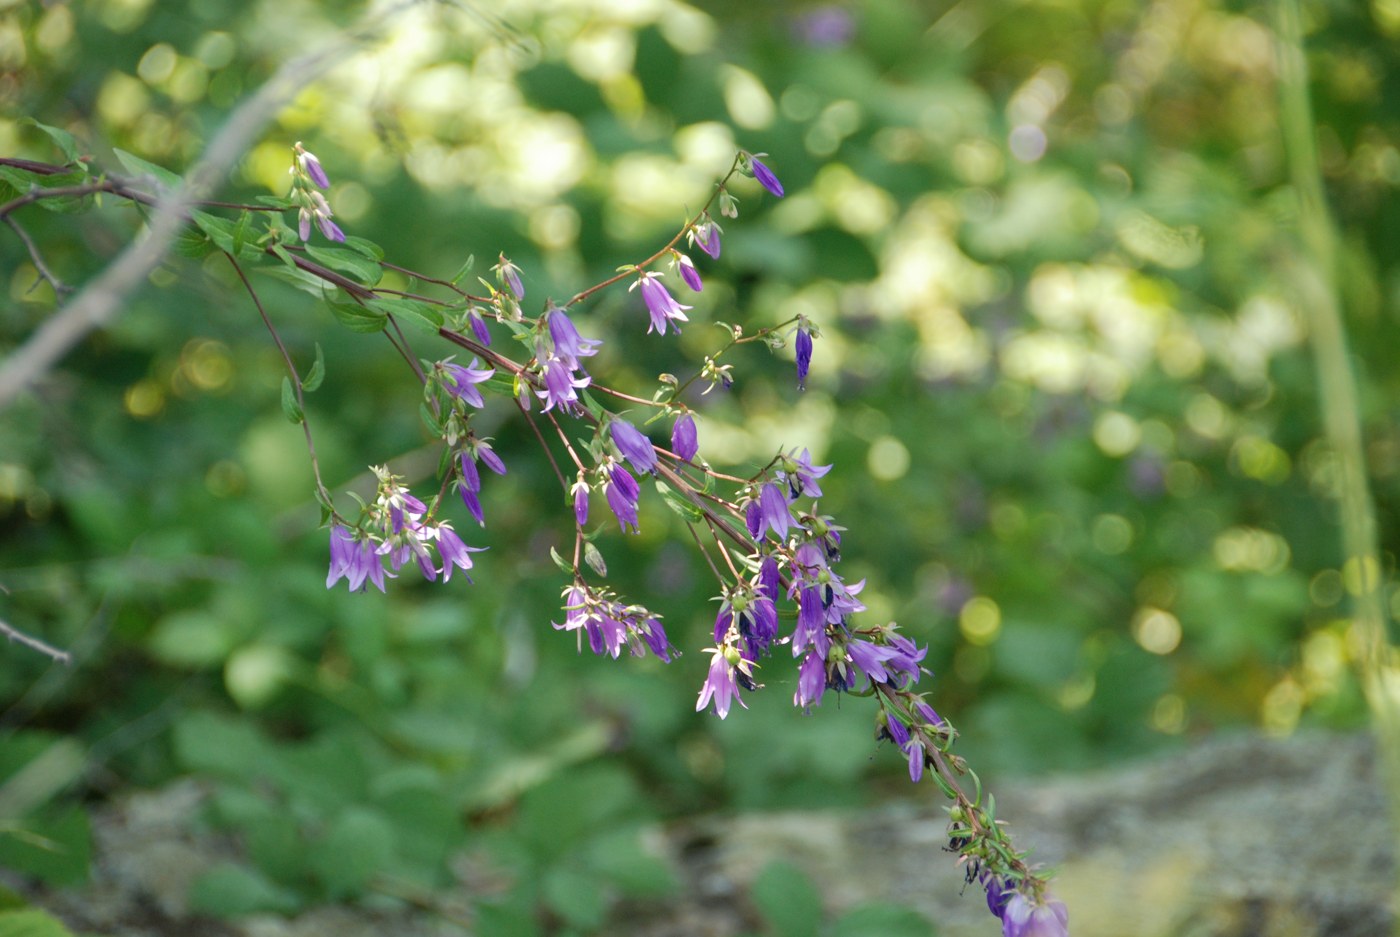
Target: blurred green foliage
(1061, 379)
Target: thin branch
(48, 650)
(99, 302)
(45, 274)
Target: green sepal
(140, 167)
(594, 558)
(359, 318)
(290, 408)
(317, 374)
(597, 410)
(356, 264)
(559, 561)
(682, 506)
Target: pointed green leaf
(61, 138)
(290, 408)
(365, 247)
(359, 318)
(559, 561)
(466, 268)
(681, 505)
(140, 167)
(317, 374)
(350, 262)
(421, 315)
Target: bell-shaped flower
(661, 305)
(633, 445)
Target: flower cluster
(307, 177)
(394, 530)
(610, 625)
(780, 585)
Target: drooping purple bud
(479, 329)
(313, 168)
(684, 440)
(581, 504)
(804, 354)
(765, 177)
(689, 274)
(634, 447)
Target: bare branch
(45, 274)
(101, 299)
(48, 650)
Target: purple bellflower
(561, 386)
(724, 679)
(454, 552)
(356, 560)
(773, 511)
(568, 344)
(684, 441)
(509, 275)
(804, 353)
(765, 177)
(479, 329)
(811, 681)
(580, 493)
(1024, 918)
(622, 494)
(801, 475)
(460, 381)
(705, 236)
(688, 273)
(660, 303)
(634, 446)
(469, 485)
(313, 167)
(998, 894)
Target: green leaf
(359, 318)
(240, 232)
(54, 845)
(424, 316)
(306, 282)
(366, 247)
(466, 269)
(883, 920)
(275, 201)
(191, 242)
(290, 408)
(575, 896)
(219, 745)
(788, 900)
(229, 890)
(559, 561)
(31, 923)
(681, 505)
(140, 167)
(357, 845)
(220, 230)
(61, 138)
(350, 262)
(317, 374)
(430, 419)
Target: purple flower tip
(804, 355)
(1023, 918)
(684, 440)
(689, 274)
(765, 177)
(634, 447)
